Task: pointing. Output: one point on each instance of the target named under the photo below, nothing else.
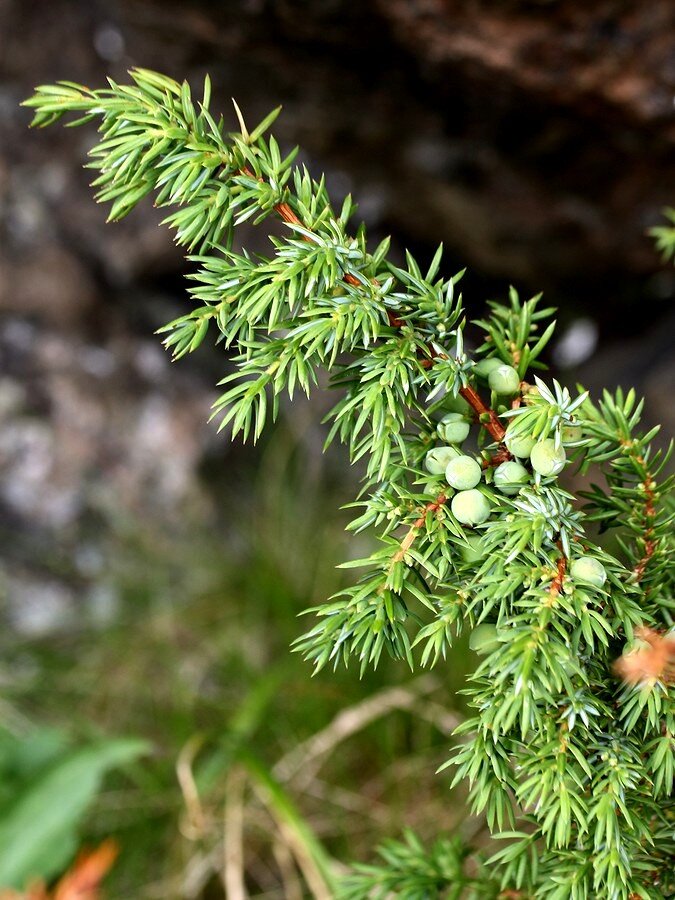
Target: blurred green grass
(196, 660)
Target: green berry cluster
(475, 479)
(502, 378)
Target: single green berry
(571, 434)
(484, 366)
(510, 476)
(504, 380)
(436, 460)
(463, 472)
(589, 571)
(546, 458)
(457, 404)
(484, 639)
(470, 507)
(519, 444)
(453, 428)
(473, 550)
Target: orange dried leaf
(82, 882)
(653, 662)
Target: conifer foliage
(568, 754)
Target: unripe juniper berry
(484, 639)
(504, 380)
(453, 428)
(473, 550)
(571, 434)
(463, 473)
(484, 366)
(470, 507)
(510, 476)
(519, 445)
(546, 458)
(589, 571)
(436, 460)
(457, 404)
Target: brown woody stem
(557, 583)
(558, 579)
(409, 539)
(287, 214)
(502, 455)
(491, 423)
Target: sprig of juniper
(573, 769)
(664, 235)
(416, 871)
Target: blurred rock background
(535, 138)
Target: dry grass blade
(193, 825)
(292, 889)
(313, 861)
(233, 838)
(302, 763)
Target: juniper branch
(573, 769)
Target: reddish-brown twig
(502, 455)
(561, 570)
(557, 583)
(409, 539)
(486, 416)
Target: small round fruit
(436, 460)
(457, 404)
(484, 639)
(571, 434)
(484, 366)
(470, 507)
(510, 476)
(453, 428)
(519, 444)
(546, 458)
(589, 571)
(504, 380)
(463, 472)
(473, 550)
